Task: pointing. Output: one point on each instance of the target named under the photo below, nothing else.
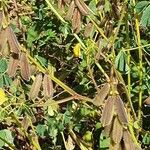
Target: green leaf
(141, 6)
(7, 136)
(32, 35)
(121, 63)
(41, 60)
(107, 6)
(3, 65)
(145, 19)
(7, 80)
(146, 139)
(41, 129)
(1, 81)
(104, 142)
(92, 6)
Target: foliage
(74, 74)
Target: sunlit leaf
(121, 62)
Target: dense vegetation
(74, 74)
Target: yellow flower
(77, 50)
(3, 97)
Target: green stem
(99, 29)
(140, 64)
(102, 70)
(60, 83)
(128, 62)
(143, 46)
(54, 11)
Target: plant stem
(130, 49)
(54, 11)
(99, 29)
(60, 83)
(102, 70)
(140, 64)
(128, 62)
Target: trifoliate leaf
(141, 6)
(145, 19)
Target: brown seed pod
(128, 143)
(24, 66)
(88, 30)
(25, 122)
(12, 66)
(70, 11)
(12, 40)
(76, 20)
(61, 4)
(147, 101)
(115, 10)
(3, 39)
(102, 93)
(108, 128)
(108, 112)
(114, 146)
(120, 110)
(35, 88)
(82, 7)
(47, 86)
(1, 19)
(117, 131)
(67, 1)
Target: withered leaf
(108, 111)
(33, 69)
(12, 40)
(120, 110)
(82, 7)
(128, 143)
(117, 131)
(76, 20)
(12, 66)
(147, 101)
(88, 29)
(102, 93)
(24, 66)
(70, 11)
(47, 86)
(35, 88)
(25, 122)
